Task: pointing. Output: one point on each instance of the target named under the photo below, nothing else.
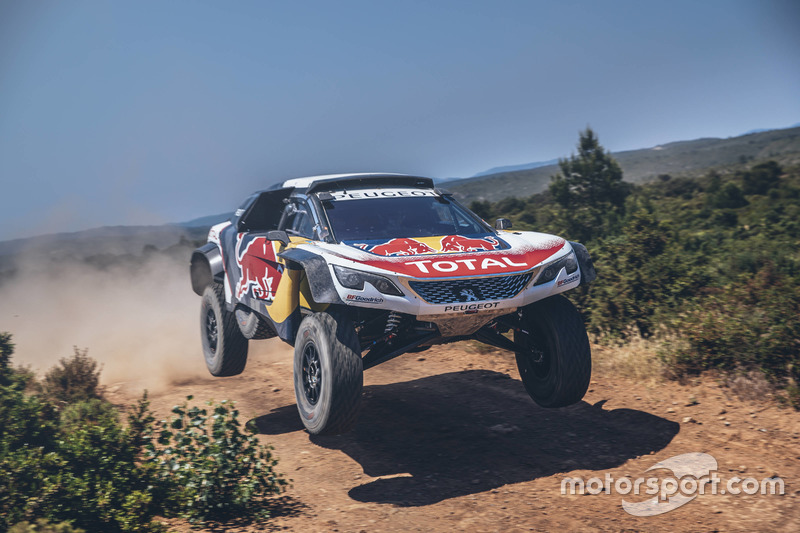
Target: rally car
(356, 269)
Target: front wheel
(556, 362)
(224, 346)
(328, 374)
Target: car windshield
(387, 218)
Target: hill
(105, 241)
(679, 159)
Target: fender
(318, 274)
(206, 267)
(588, 273)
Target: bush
(729, 197)
(43, 526)
(214, 470)
(761, 178)
(66, 457)
(6, 350)
(73, 380)
(753, 326)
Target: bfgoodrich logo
(692, 474)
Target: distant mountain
(514, 168)
(682, 158)
(206, 221)
(114, 240)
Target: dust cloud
(138, 317)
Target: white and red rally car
(356, 269)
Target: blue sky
(151, 112)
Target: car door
(257, 266)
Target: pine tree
(590, 189)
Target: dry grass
(752, 386)
(636, 358)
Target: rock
(670, 410)
(688, 420)
(742, 468)
(727, 423)
(503, 429)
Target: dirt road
(449, 440)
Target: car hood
(449, 255)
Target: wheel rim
(538, 355)
(312, 373)
(212, 334)
(540, 360)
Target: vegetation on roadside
(71, 463)
(710, 262)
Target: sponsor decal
(363, 299)
(403, 246)
(381, 193)
(432, 245)
(458, 243)
(425, 265)
(259, 268)
(471, 307)
(569, 279)
(465, 263)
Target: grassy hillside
(679, 159)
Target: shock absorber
(392, 323)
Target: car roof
(330, 182)
(303, 183)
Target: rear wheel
(328, 374)
(556, 362)
(224, 346)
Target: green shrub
(729, 197)
(43, 526)
(6, 350)
(74, 379)
(88, 412)
(215, 471)
(761, 178)
(752, 326)
(65, 456)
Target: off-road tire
(556, 364)
(252, 325)
(224, 346)
(328, 373)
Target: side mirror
(278, 235)
(502, 223)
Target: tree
(761, 178)
(590, 189)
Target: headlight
(549, 272)
(354, 279)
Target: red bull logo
(402, 246)
(457, 243)
(260, 270)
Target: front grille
(470, 290)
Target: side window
(265, 213)
(299, 220)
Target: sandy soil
(449, 440)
